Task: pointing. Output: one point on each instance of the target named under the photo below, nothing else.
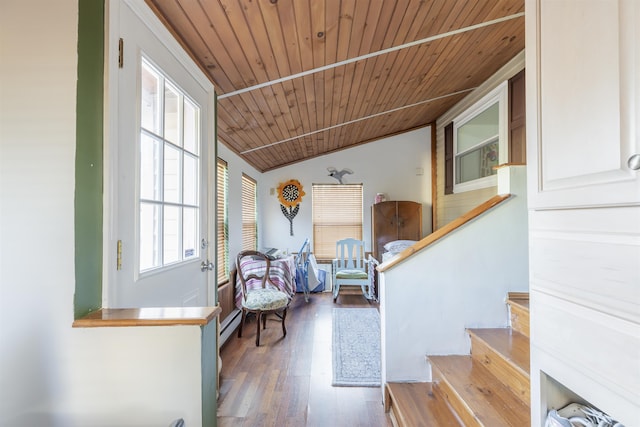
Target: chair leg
(264, 321)
(258, 317)
(284, 329)
(336, 290)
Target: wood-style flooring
(287, 381)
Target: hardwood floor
(287, 381)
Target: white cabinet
(583, 118)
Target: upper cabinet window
(480, 141)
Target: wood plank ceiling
(298, 79)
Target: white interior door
(161, 231)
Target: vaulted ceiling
(300, 78)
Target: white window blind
(337, 214)
(222, 221)
(249, 216)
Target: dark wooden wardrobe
(394, 220)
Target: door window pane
(190, 180)
(171, 237)
(150, 155)
(172, 115)
(150, 102)
(190, 233)
(149, 236)
(172, 174)
(191, 126)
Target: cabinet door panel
(385, 226)
(587, 94)
(409, 221)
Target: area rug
(356, 347)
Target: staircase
(488, 388)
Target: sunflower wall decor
(290, 195)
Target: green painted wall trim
(89, 164)
(209, 370)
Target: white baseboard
(229, 326)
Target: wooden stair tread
(469, 385)
(511, 345)
(415, 405)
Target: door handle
(634, 162)
(206, 266)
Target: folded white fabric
(312, 272)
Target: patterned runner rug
(356, 347)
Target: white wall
(36, 200)
(50, 373)
(458, 282)
(385, 166)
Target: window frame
(161, 200)
(498, 95)
(321, 250)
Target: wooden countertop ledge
(148, 316)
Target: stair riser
(520, 319)
(457, 405)
(510, 375)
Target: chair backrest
(350, 254)
(251, 268)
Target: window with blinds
(222, 221)
(249, 216)
(337, 214)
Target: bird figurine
(335, 173)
